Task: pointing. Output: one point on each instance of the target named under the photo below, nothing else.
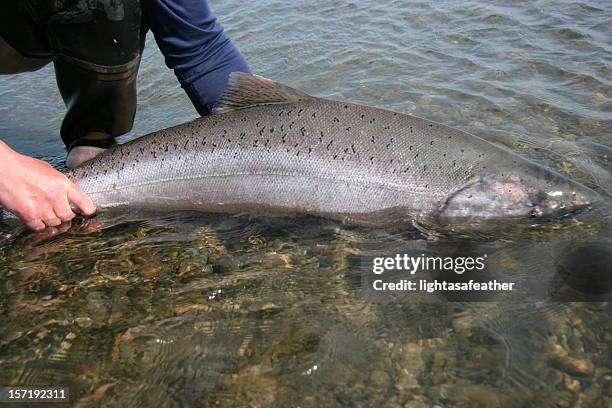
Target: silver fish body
(274, 150)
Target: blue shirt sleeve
(195, 47)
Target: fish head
(524, 195)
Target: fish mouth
(560, 202)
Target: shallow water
(196, 310)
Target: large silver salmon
(271, 149)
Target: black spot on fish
(406, 169)
(353, 148)
(314, 114)
(335, 156)
(281, 112)
(388, 145)
(348, 128)
(345, 106)
(410, 147)
(336, 119)
(416, 155)
(372, 160)
(309, 150)
(329, 144)
(291, 125)
(362, 116)
(431, 143)
(271, 130)
(430, 125)
(300, 111)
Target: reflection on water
(196, 310)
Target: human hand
(37, 193)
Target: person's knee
(12, 62)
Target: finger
(62, 209)
(36, 225)
(50, 219)
(30, 215)
(81, 201)
(47, 233)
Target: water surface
(199, 310)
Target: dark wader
(95, 47)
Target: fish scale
(272, 149)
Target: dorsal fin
(246, 90)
